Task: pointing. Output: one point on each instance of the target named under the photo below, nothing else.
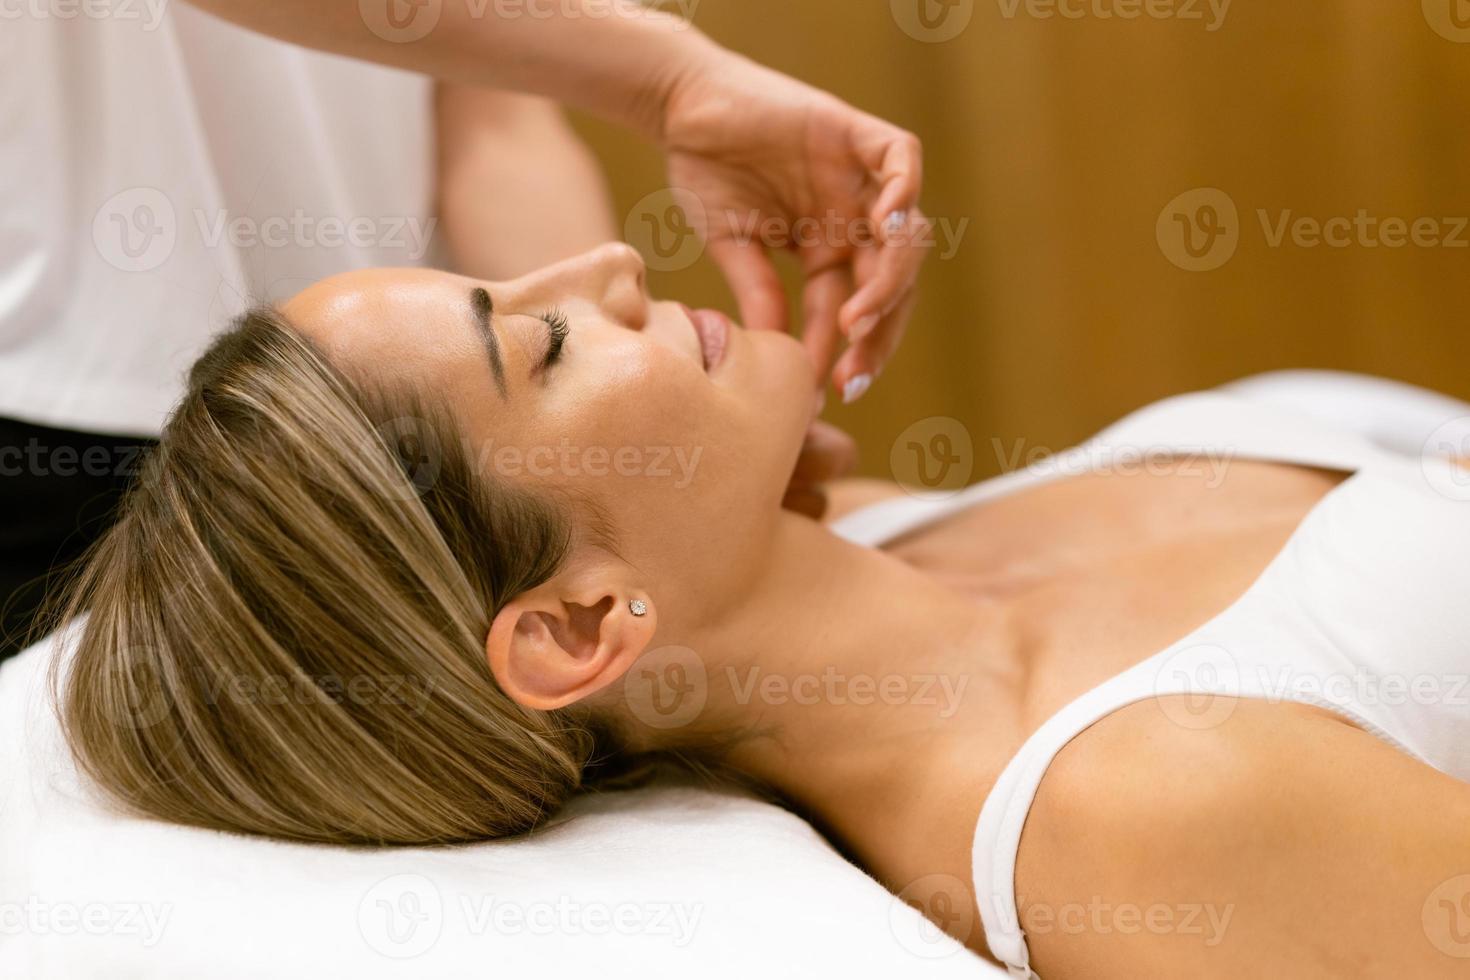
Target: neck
(863, 681)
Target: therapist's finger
(822, 299)
(827, 453)
(862, 362)
(753, 279)
(885, 276)
(895, 160)
(809, 501)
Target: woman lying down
(368, 496)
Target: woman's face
(682, 428)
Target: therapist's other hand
(763, 152)
(827, 454)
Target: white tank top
(162, 169)
(1363, 612)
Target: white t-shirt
(160, 170)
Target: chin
(782, 380)
(784, 400)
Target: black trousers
(59, 491)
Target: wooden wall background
(1062, 141)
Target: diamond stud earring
(638, 607)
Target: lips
(713, 330)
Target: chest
(1102, 571)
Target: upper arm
(475, 126)
(1283, 839)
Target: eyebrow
(483, 309)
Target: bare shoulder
(1282, 836)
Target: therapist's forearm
(613, 58)
(518, 189)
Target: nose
(620, 276)
(610, 277)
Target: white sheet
(647, 884)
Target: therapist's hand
(828, 454)
(766, 156)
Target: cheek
(724, 444)
(717, 456)
(635, 394)
(629, 429)
(688, 469)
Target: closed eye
(557, 329)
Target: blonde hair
(284, 631)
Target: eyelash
(556, 323)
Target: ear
(570, 637)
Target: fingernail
(862, 328)
(856, 387)
(820, 405)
